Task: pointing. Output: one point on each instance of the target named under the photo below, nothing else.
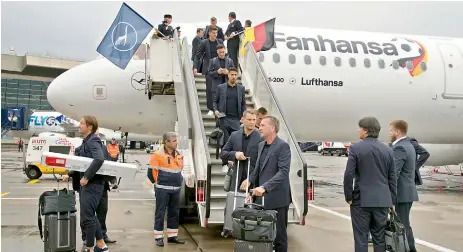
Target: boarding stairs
(196, 126)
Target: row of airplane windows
(338, 62)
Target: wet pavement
(436, 218)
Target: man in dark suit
(271, 177)
(404, 159)
(217, 73)
(242, 145)
(207, 50)
(196, 42)
(421, 156)
(229, 105)
(219, 29)
(233, 43)
(165, 27)
(369, 185)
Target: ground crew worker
(113, 150)
(167, 165)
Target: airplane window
(352, 62)
(381, 64)
(409, 65)
(367, 63)
(276, 58)
(292, 59)
(395, 64)
(337, 61)
(261, 57)
(423, 66)
(322, 60)
(307, 60)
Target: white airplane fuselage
(324, 80)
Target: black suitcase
(60, 230)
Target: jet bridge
(170, 73)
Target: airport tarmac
(436, 218)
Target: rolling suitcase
(254, 228)
(234, 200)
(59, 232)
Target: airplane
(51, 122)
(345, 75)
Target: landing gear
(149, 95)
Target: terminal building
(25, 79)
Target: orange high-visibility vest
(113, 150)
(167, 168)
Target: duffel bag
(52, 202)
(253, 223)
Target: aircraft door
(453, 68)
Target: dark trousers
(233, 49)
(90, 196)
(403, 211)
(101, 213)
(365, 220)
(170, 200)
(281, 239)
(228, 125)
(210, 92)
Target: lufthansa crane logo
(124, 37)
(138, 81)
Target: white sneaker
(210, 113)
(225, 168)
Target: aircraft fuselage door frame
(453, 69)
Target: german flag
(262, 36)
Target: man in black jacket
(219, 29)
(196, 41)
(421, 156)
(165, 27)
(233, 43)
(102, 209)
(91, 184)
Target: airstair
(196, 125)
(15, 118)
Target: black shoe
(107, 240)
(160, 242)
(175, 240)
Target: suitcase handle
(254, 206)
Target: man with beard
(229, 105)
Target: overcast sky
(74, 29)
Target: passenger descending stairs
(218, 195)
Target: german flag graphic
(262, 36)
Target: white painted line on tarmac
(421, 242)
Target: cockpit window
(276, 58)
(292, 59)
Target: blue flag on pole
(123, 38)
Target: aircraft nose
(56, 93)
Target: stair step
(202, 95)
(203, 102)
(200, 87)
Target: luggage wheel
(224, 234)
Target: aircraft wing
(68, 125)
